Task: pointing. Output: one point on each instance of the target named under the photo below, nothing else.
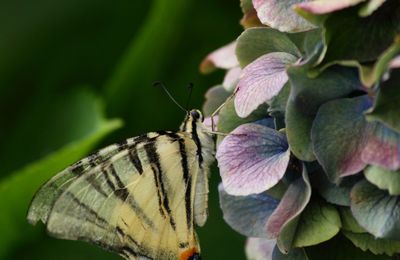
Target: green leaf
(349, 223)
(384, 179)
(48, 125)
(376, 211)
(15, 203)
(319, 222)
(161, 31)
(49, 248)
(340, 248)
(386, 108)
(377, 246)
(255, 42)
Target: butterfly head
(195, 114)
(193, 119)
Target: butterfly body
(141, 198)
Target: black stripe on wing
(121, 192)
(154, 160)
(187, 178)
(92, 216)
(135, 160)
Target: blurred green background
(68, 68)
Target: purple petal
(259, 248)
(232, 78)
(247, 214)
(279, 14)
(326, 6)
(382, 147)
(261, 80)
(223, 58)
(252, 159)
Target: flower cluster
(311, 104)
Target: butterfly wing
(138, 202)
(50, 191)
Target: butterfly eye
(195, 114)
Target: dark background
(56, 55)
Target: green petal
(338, 135)
(377, 246)
(277, 105)
(306, 96)
(319, 222)
(369, 7)
(376, 211)
(369, 36)
(298, 129)
(384, 179)
(349, 223)
(293, 254)
(229, 120)
(386, 108)
(338, 194)
(215, 96)
(255, 42)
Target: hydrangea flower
(312, 152)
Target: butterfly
(140, 198)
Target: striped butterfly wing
(44, 199)
(137, 202)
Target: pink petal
(232, 78)
(290, 207)
(279, 15)
(223, 58)
(326, 6)
(259, 248)
(382, 147)
(261, 80)
(395, 63)
(252, 159)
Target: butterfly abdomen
(190, 254)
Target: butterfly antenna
(190, 87)
(161, 84)
(220, 107)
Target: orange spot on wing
(187, 254)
